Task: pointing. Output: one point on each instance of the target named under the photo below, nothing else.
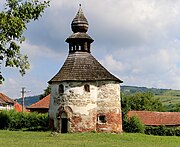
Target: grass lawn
(44, 139)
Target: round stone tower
(84, 95)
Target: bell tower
(79, 40)
(85, 96)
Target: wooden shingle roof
(82, 66)
(79, 35)
(157, 118)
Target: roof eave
(56, 81)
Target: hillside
(168, 97)
(29, 100)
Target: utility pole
(22, 95)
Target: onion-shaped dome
(79, 23)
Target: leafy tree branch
(14, 18)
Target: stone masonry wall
(108, 105)
(82, 103)
(86, 107)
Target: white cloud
(135, 22)
(137, 40)
(40, 51)
(146, 66)
(112, 64)
(12, 86)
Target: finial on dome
(79, 23)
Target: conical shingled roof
(82, 66)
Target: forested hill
(29, 100)
(155, 91)
(168, 97)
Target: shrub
(162, 131)
(16, 120)
(4, 120)
(133, 125)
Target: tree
(138, 101)
(46, 92)
(14, 18)
(141, 101)
(176, 107)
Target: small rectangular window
(102, 119)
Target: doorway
(64, 123)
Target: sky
(136, 40)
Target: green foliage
(13, 21)
(155, 91)
(133, 125)
(47, 91)
(162, 131)
(140, 101)
(176, 107)
(15, 120)
(4, 120)
(168, 97)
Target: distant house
(157, 118)
(41, 106)
(6, 103)
(18, 107)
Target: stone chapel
(85, 96)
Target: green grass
(169, 98)
(44, 139)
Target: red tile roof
(157, 118)
(5, 99)
(43, 103)
(18, 107)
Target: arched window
(61, 89)
(87, 88)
